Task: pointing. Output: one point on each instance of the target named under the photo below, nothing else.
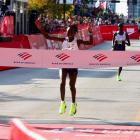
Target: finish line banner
(32, 58)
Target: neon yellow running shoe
(62, 108)
(73, 109)
(119, 78)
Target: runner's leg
(73, 77)
(63, 84)
(119, 70)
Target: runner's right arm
(113, 41)
(42, 30)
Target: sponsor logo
(24, 55)
(62, 56)
(136, 57)
(100, 57)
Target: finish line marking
(21, 130)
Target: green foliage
(37, 4)
(57, 10)
(50, 6)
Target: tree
(50, 6)
(57, 10)
(37, 4)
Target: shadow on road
(5, 97)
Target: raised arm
(90, 41)
(42, 30)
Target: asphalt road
(33, 94)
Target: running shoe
(73, 109)
(119, 78)
(62, 108)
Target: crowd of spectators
(113, 18)
(105, 18)
(54, 24)
(50, 24)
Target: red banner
(7, 26)
(37, 42)
(107, 31)
(24, 131)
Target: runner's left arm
(127, 39)
(90, 41)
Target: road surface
(33, 94)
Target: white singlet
(119, 38)
(66, 45)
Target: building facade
(18, 8)
(21, 16)
(133, 8)
(109, 5)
